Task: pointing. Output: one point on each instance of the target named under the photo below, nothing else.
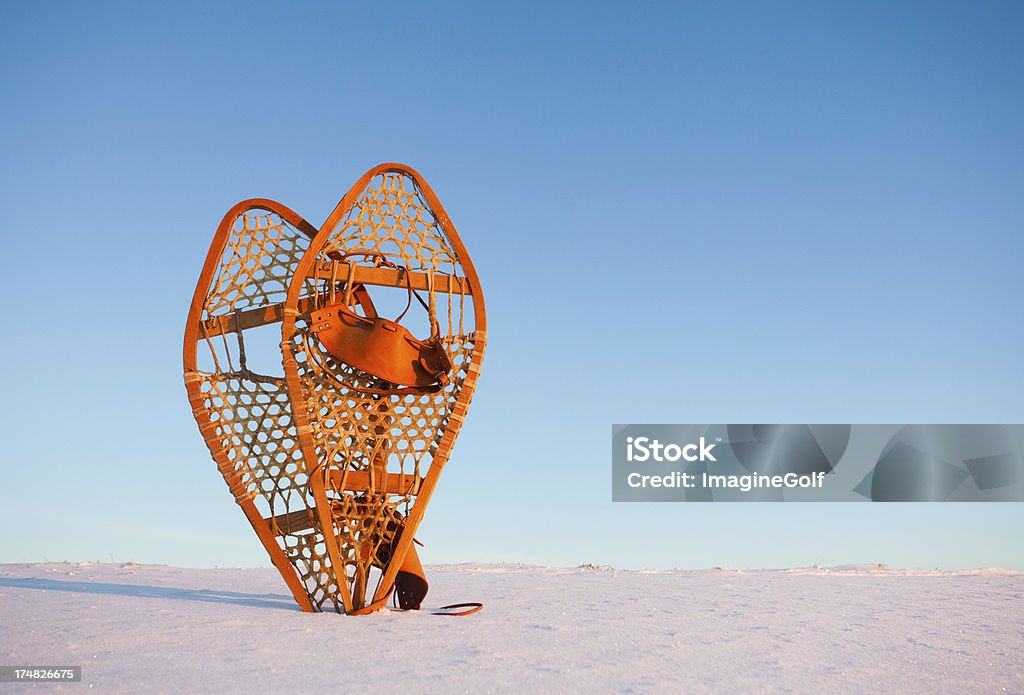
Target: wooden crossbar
(356, 481)
(365, 275)
(387, 483)
(250, 318)
(391, 277)
(291, 522)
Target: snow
(861, 628)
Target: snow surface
(144, 628)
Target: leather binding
(381, 347)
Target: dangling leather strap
(349, 283)
(411, 582)
(410, 588)
(473, 607)
(435, 329)
(379, 260)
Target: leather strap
(381, 260)
(473, 607)
(428, 361)
(434, 388)
(449, 610)
(410, 588)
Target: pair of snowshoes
(332, 436)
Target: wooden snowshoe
(374, 447)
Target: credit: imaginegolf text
(744, 483)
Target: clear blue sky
(681, 212)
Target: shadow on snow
(162, 592)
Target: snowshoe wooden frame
(369, 451)
(321, 466)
